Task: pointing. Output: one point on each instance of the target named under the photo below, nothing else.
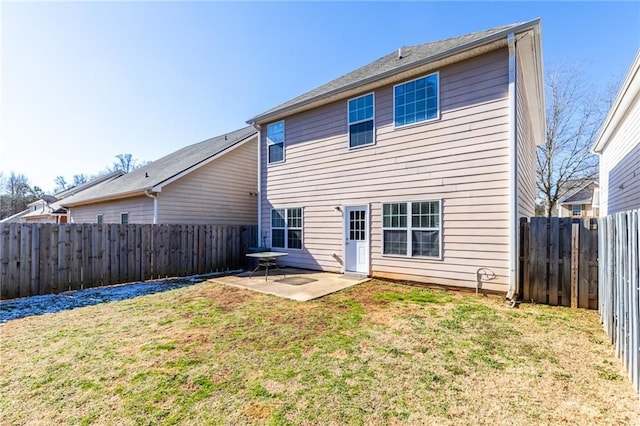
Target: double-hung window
(576, 209)
(275, 142)
(416, 100)
(412, 228)
(361, 121)
(124, 218)
(100, 219)
(286, 228)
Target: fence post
(575, 250)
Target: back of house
(414, 167)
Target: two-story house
(415, 167)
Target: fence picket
(35, 261)
(24, 260)
(554, 258)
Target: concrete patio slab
(291, 283)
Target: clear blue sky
(82, 82)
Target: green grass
(378, 353)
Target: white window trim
(284, 139)
(98, 217)
(128, 221)
(410, 228)
(573, 213)
(286, 228)
(373, 118)
(393, 94)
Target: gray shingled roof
(582, 195)
(412, 56)
(163, 169)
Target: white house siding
(221, 192)
(140, 210)
(526, 148)
(620, 166)
(40, 219)
(463, 159)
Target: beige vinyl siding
(620, 166)
(462, 159)
(140, 210)
(526, 148)
(222, 191)
(588, 210)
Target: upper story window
(100, 219)
(416, 101)
(124, 218)
(275, 142)
(361, 121)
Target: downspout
(155, 205)
(512, 294)
(257, 127)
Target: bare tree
(79, 179)
(125, 163)
(61, 184)
(575, 110)
(16, 194)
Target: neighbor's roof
(15, 218)
(628, 94)
(581, 195)
(93, 182)
(411, 57)
(47, 209)
(163, 171)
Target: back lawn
(378, 353)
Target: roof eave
(109, 197)
(311, 102)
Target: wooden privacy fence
(559, 261)
(49, 258)
(620, 287)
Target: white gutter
(155, 205)
(513, 173)
(257, 127)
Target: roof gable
(164, 170)
(405, 58)
(580, 195)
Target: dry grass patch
(378, 353)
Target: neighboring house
(582, 202)
(211, 182)
(16, 218)
(49, 209)
(619, 147)
(415, 167)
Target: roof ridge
(374, 71)
(471, 33)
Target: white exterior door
(356, 239)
